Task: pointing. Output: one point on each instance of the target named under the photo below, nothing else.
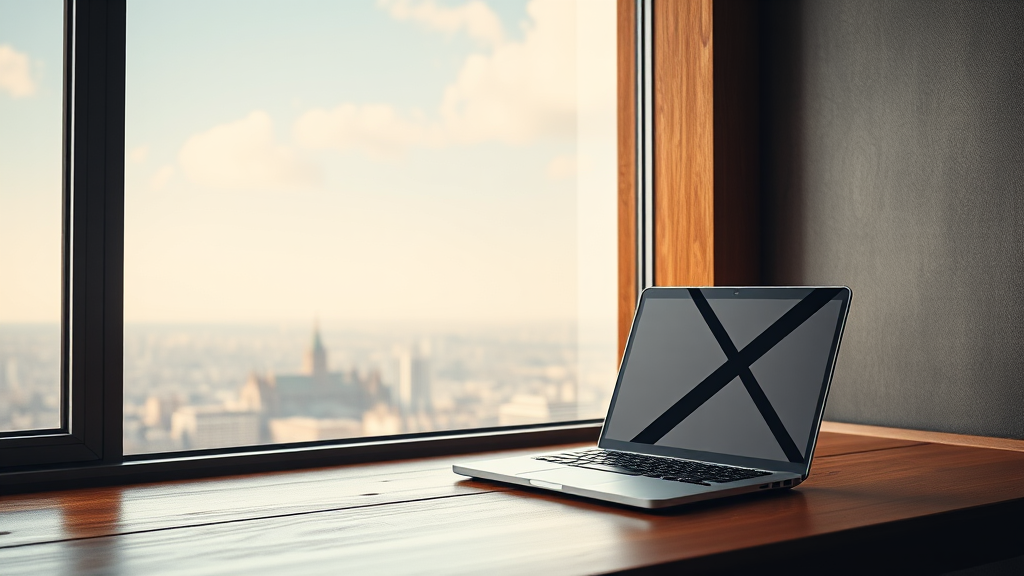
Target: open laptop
(720, 392)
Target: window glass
(350, 219)
(31, 65)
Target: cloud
(475, 18)
(15, 73)
(243, 155)
(374, 129)
(516, 93)
(523, 90)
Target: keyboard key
(653, 466)
(606, 468)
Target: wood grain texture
(683, 143)
(627, 173)
(359, 451)
(491, 529)
(93, 512)
(418, 517)
(836, 444)
(85, 513)
(924, 436)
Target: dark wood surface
(419, 517)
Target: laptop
(720, 392)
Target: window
(351, 219)
(381, 199)
(31, 58)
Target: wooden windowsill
(924, 436)
(870, 501)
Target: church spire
(316, 357)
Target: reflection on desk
(869, 504)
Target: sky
(31, 39)
(392, 160)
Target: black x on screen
(738, 376)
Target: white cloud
(374, 129)
(475, 18)
(523, 90)
(518, 92)
(15, 73)
(243, 155)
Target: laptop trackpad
(571, 476)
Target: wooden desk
(879, 504)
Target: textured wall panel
(893, 162)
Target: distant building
(382, 420)
(315, 362)
(414, 394)
(533, 409)
(157, 411)
(315, 393)
(202, 427)
(10, 375)
(304, 429)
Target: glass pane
(351, 219)
(31, 104)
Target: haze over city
(402, 172)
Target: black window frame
(87, 449)
(92, 247)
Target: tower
(414, 380)
(315, 362)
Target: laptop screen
(734, 372)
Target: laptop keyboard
(653, 466)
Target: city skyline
(472, 379)
(400, 171)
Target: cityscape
(435, 183)
(203, 387)
(29, 377)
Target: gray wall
(892, 148)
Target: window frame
(93, 224)
(87, 449)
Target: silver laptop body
(724, 387)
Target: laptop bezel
(844, 296)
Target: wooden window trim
(705, 137)
(626, 111)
